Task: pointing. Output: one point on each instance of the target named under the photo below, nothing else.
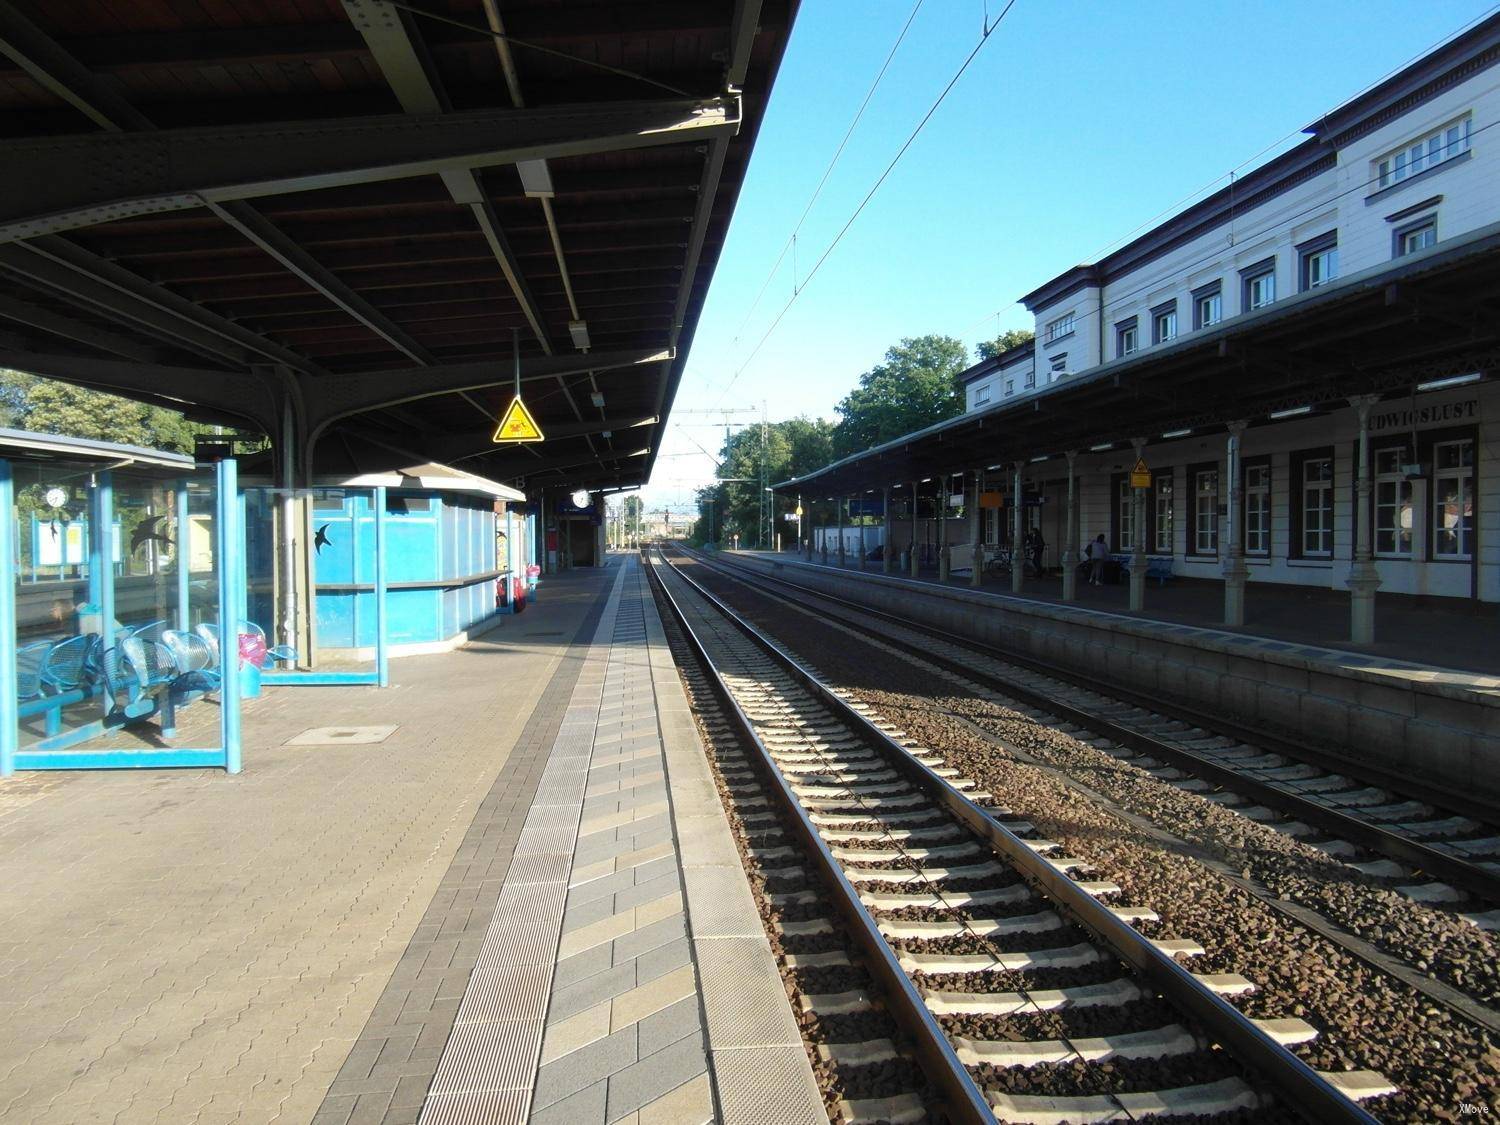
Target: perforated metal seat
(30, 659)
(71, 664)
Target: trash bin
(252, 658)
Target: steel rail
(1297, 1085)
(965, 1102)
(1450, 868)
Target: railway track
(1407, 838)
(1024, 989)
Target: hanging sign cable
(517, 424)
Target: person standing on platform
(1036, 547)
(1098, 554)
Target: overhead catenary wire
(791, 242)
(984, 38)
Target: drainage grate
(542, 633)
(342, 736)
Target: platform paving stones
(184, 946)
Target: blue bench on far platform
(1158, 567)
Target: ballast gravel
(1447, 1068)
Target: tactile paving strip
(490, 1060)
(743, 995)
(767, 1086)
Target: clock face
(56, 497)
(580, 498)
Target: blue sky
(1076, 124)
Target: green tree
(916, 386)
(28, 402)
(750, 460)
(1014, 338)
(632, 514)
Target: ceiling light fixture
(536, 178)
(1451, 381)
(1291, 412)
(1176, 433)
(579, 330)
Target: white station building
(1314, 343)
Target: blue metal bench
(197, 663)
(1158, 567)
(52, 675)
(139, 676)
(210, 633)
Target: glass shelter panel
(315, 590)
(116, 602)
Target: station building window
(1258, 508)
(1424, 153)
(1059, 365)
(1164, 323)
(1163, 505)
(1311, 507)
(1393, 504)
(1318, 260)
(1415, 236)
(1124, 505)
(1259, 283)
(1010, 387)
(1062, 326)
(1127, 338)
(981, 394)
(1205, 530)
(1453, 500)
(1208, 305)
(1030, 378)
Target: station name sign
(1438, 414)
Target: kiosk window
(1317, 507)
(1392, 504)
(1453, 500)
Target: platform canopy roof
(335, 216)
(1430, 316)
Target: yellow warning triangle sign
(1140, 465)
(518, 424)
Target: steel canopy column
(914, 561)
(231, 544)
(1236, 573)
(1138, 533)
(841, 502)
(103, 561)
(1017, 547)
(886, 561)
(184, 559)
(10, 733)
(976, 534)
(1364, 579)
(382, 626)
(862, 548)
(1070, 534)
(940, 526)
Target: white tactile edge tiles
(488, 1066)
(759, 1066)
